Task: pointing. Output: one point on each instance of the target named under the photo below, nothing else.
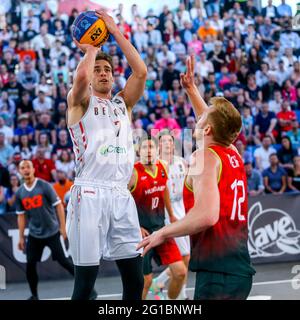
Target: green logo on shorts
(105, 150)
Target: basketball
(90, 29)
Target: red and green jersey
(223, 247)
(148, 194)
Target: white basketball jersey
(176, 177)
(102, 141)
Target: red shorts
(164, 254)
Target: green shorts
(221, 286)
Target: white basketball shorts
(102, 221)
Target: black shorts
(35, 247)
(221, 286)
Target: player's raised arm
(135, 85)
(188, 83)
(83, 75)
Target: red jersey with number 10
(148, 194)
(223, 247)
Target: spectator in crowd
(265, 123)
(285, 117)
(23, 128)
(294, 175)
(24, 105)
(28, 77)
(10, 193)
(62, 186)
(66, 164)
(42, 103)
(24, 147)
(246, 155)
(45, 125)
(6, 151)
(169, 75)
(262, 154)
(248, 124)
(8, 132)
(286, 153)
(254, 180)
(166, 122)
(43, 142)
(294, 135)
(2, 200)
(275, 177)
(44, 168)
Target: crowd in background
(249, 55)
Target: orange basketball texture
(90, 29)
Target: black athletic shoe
(33, 298)
(93, 295)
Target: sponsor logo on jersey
(106, 150)
(143, 178)
(272, 232)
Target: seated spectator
(254, 180)
(284, 10)
(62, 186)
(286, 153)
(10, 193)
(204, 67)
(8, 102)
(43, 142)
(270, 88)
(157, 89)
(217, 56)
(248, 124)
(294, 175)
(175, 92)
(6, 151)
(24, 105)
(265, 123)
(166, 122)
(195, 45)
(246, 155)
(8, 131)
(169, 75)
(66, 164)
(63, 143)
(44, 168)
(44, 87)
(45, 126)
(233, 89)
(28, 77)
(23, 128)
(276, 103)
(289, 92)
(42, 103)
(182, 109)
(2, 200)
(263, 153)
(24, 147)
(275, 177)
(206, 30)
(294, 135)
(253, 93)
(285, 117)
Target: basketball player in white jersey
(102, 218)
(177, 172)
